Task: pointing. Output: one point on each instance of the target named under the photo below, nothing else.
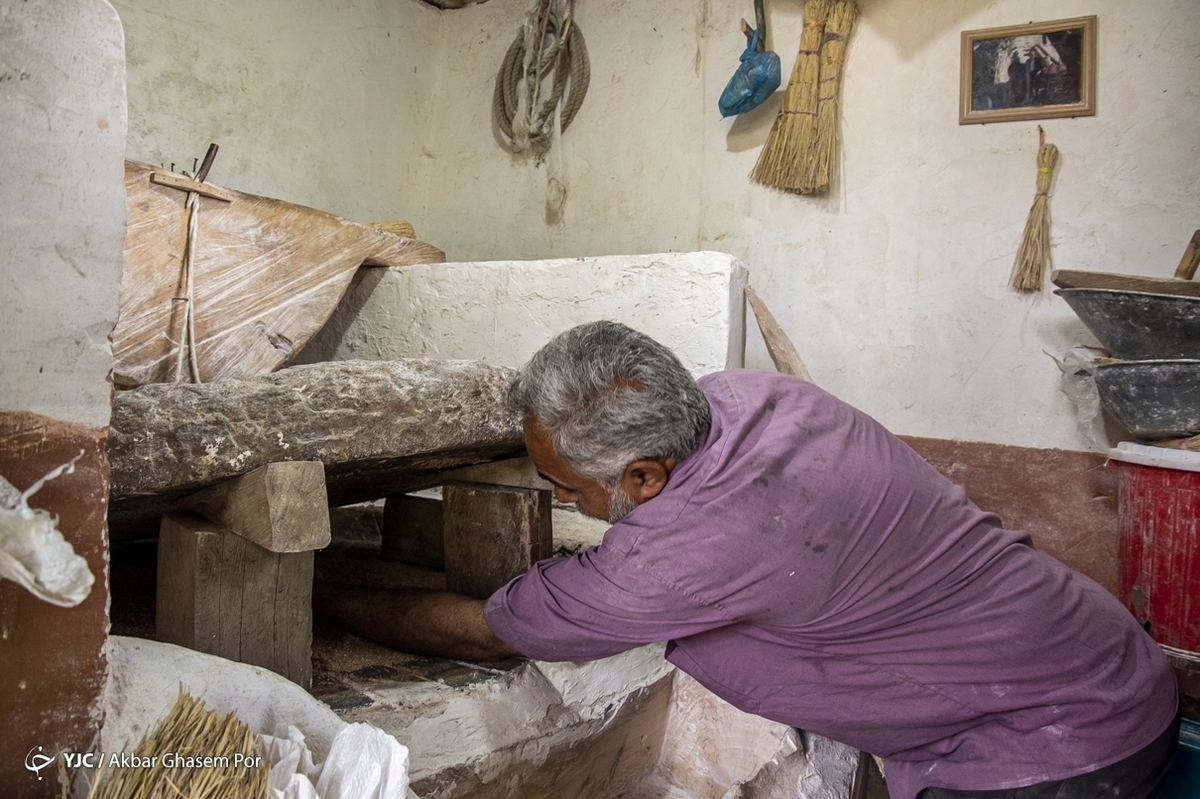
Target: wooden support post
(492, 534)
(412, 531)
(222, 594)
(282, 507)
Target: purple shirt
(806, 565)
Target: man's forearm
(432, 623)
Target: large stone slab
(380, 427)
(501, 312)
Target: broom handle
(760, 21)
(1191, 259)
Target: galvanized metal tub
(1139, 325)
(1154, 398)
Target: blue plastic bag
(754, 81)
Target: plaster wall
(62, 206)
(894, 287)
(323, 103)
(62, 224)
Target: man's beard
(620, 505)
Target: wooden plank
(177, 181)
(492, 534)
(188, 602)
(282, 507)
(779, 346)
(175, 606)
(206, 602)
(293, 618)
(267, 275)
(412, 531)
(222, 594)
(1075, 279)
(256, 644)
(229, 576)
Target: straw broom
(821, 159)
(781, 162)
(1034, 254)
(189, 730)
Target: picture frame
(1036, 71)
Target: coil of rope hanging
(549, 49)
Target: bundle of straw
(821, 160)
(1034, 254)
(189, 730)
(781, 162)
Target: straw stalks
(1034, 254)
(821, 161)
(781, 162)
(800, 153)
(189, 731)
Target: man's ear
(644, 479)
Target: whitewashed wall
(894, 288)
(62, 206)
(319, 102)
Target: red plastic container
(1158, 512)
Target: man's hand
(421, 622)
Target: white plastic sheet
(34, 554)
(364, 763)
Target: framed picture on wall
(1034, 71)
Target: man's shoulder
(740, 390)
(753, 379)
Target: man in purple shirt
(805, 565)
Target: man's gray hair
(608, 396)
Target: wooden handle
(206, 165)
(1191, 259)
(779, 346)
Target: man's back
(809, 567)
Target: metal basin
(1152, 399)
(1137, 324)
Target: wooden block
(222, 594)
(412, 531)
(492, 534)
(282, 507)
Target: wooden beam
(281, 507)
(176, 181)
(493, 534)
(779, 346)
(1077, 279)
(412, 531)
(222, 594)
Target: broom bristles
(1033, 255)
(821, 160)
(780, 163)
(189, 730)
